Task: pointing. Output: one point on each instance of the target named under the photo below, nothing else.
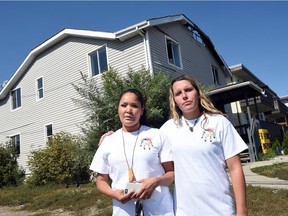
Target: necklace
(130, 168)
(192, 128)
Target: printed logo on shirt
(208, 134)
(146, 142)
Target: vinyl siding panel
(129, 54)
(196, 58)
(59, 67)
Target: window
(173, 53)
(98, 61)
(15, 141)
(16, 98)
(48, 131)
(39, 87)
(215, 76)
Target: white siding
(59, 66)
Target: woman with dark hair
(137, 162)
(204, 143)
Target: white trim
(10, 97)
(20, 137)
(45, 131)
(179, 50)
(90, 62)
(36, 88)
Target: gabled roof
(121, 35)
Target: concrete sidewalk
(263, 181)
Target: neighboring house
(37, 101)
(284, 100)
(254, 106)
(268, 107)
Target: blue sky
(252, 33)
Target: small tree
(285, 143)
(10, 173)
(63, 161)
(100, 99)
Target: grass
(56, 197)
(277, 170)
(87, 200)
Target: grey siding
(196, 58)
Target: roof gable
(121, 35)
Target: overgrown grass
(54, 197)
(87, 200)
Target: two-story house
(37, 101)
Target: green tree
(10, 173)
(99, 99)
(63, 161)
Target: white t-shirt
(202, 185)
(149, 154)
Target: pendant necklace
(192, 128)
(130, 168)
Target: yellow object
(263, 135)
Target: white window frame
(15, 145)
(17, 106)
(99, 63)
(215, 75)
(46, 131)
(172, 61)
(39, 89)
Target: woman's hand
(123, 198)
(147, 188)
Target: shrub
(10, 173)
(285, 143)
(276, 147)
(99, 99)
(63, 161)
(269, 155)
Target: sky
(252, 33)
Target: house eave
(121, 35)
(234, 92)
(47, 44)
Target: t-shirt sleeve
(100, 162)
(166, 149)
(233, 144)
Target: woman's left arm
(238, 184)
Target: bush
(276, 147)
(269, 155)
(63, 161)
(285, 143)
(10, 173)
(99, 100)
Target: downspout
(148, 60)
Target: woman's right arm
(104, 187)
